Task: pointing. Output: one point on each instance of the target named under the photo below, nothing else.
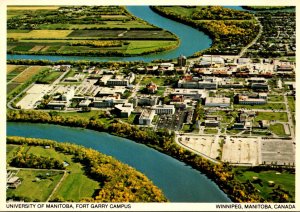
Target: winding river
(179, 182)
(191, 40)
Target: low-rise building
(259, 86)
(84, 103)
(245, 100)
(124, 110)
(190, 93)
(211, 123)
(164, 109)
(145, 100)
(57, 105)
(146, 117)
(151, 87)
(217, 102)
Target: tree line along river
(179, 182)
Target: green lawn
(74, 187)
(51, 77)
(11, 150)
(275, 98)
(291, 102)
(35, 190)
(278, 116)
(87, 115)
(268, 106)
(285, 180)
(278, 129)
(159, 81)
(210, 131)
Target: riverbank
(230, 34)
(162, 141)
(118, 184)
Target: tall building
(181, 61)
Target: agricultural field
(41, 189)
(83, 30)
(18, 75)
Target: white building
(191, 93)
(217, 102)
(124, 109)
(164, 109)
(68, 95)
(146, 117)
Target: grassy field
(210, 131)
(278, 129)
(268, 106)
(159, 81)
(284, 179)
(291, 103)
(85, 187)
(275, 98)
(51, 77)
(279, 116)
(39, 189)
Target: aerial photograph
(143, 104)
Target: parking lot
(238, 150)
(172, 121)
(278, 151)
(206, 145)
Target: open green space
(33, 186)
(83, 30)
(268, 106)
(159, 81)
(51, 77)
(275, 98)
(260, 180)
(278, 116)
(210, 130)
(85, 187)
(278, 129)
(291, 103)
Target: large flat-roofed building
(257, 80)
(68, 94)
(211, 123)
(105, 91)
(57, 105)
(107, 102)
(217, 102)
(146, 117)
(259, 86)
(145, 100)
(164, 109)
(124, 110)
(195, 82)
(191, 93)
(245, 100)
(121, 80)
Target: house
(13, 182)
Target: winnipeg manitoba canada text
(110, 106)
